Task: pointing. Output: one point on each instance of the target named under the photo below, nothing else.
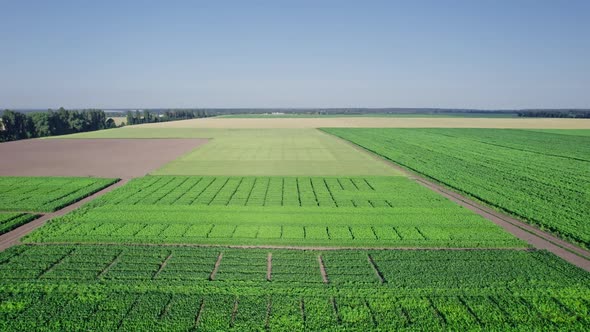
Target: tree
(15, 126)
(110, 123)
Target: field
(293, 211)
(46, 194)
(368, 115)
(108, 158)
(361, 122)
(10, 221)
(296, 229)
(177, 288)
(541, 177)
(258, 152)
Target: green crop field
(46, 194)
(541, 177)
(299, 230)
(106, 288)
(574, 132)
(300, 211)
(10, 221)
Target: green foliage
(105, 288)
(46, 194)
(542, 177)
(10, 221)
(352, 211)
(61, 122)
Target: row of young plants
(10, 221)
(108, 307)
(414, 216)
(396, 269)
(548, 143)
(273, 191)
(545, 184)
(46, 194)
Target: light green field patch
(259, 152)
(572, 132)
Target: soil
(109, 158)
(269, 267)
(216, 268)
(323, 269)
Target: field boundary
(309, 248)
(532, 235)
(13, 237)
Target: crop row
(273, 191)
(438, 226)
(162, 311)
(10, 221)
(542, 178)
(46, 194)
(391, 269)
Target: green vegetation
(543, 178)
(105, 288)
(147, 116)
(10, 221)
(574, 132)
(15, 125)
(46, 194)
(300, 211)
(259, 152)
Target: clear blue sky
(464, 54)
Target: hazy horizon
(499, 55)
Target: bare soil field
(111, 158)
(353, 122)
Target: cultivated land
(259, 152)
(106, 288)
(40, 194)
(291, 211)
(367, 115)
(100, 277)
(372, 122)
(90, 157)
(541, 177)
(10, 221)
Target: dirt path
(269, 267)
(13, 237)
(216, 267)
(526, 232)
(323, 269)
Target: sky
(481, 54)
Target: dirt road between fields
(526, 232)
(13, 237)
(109, 158)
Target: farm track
(526, 232)
(13, 237)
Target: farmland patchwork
(539, 176)
(105, 288)
(294, 211)
(298, 230)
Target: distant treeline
(16, 125)
(147, 116)
(555, 114)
